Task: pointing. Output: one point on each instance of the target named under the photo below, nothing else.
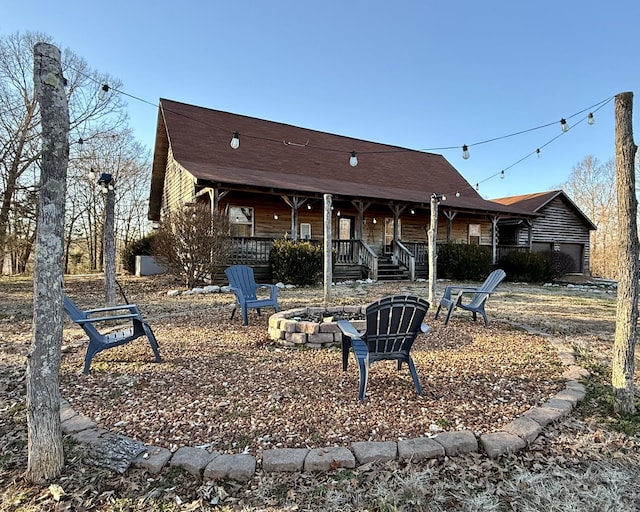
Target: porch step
(390, 272)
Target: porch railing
(249, 251)
(356, 252)
(404, 257)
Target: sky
(420, 74)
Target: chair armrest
(449, 289)
(96, 319)
(273, 289)
(130, 307)
(349, 330)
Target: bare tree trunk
(328, 268)
(110, 248)
(45, 452)
(627, 305)
(432, 235)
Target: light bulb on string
(353, 159)
(465, 152)
(590, 119)
(538, 152)
(564, 125)
(502, 174)
(102, 93)
(235, 140)
(458, 193)
(477, 186)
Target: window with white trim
(241, 221)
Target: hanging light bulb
(477, 186)
(458, 193)
(375, 221)
(81, 141)
(308, 207)
(564, 125)
(413, 212)
(443, 197)
(502, 174)
(590, 118)
(102, 93)
(465, 152)
(353, 160)
(275, 216)
(538, 152)
(235, 140)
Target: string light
(102, 93)
(235, 140)
(275, 216)
(502, 174)
(478, 186)
(353, 161)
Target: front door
(346, 233)
(388, 234)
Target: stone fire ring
(290, 329)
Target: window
(474, 234)
(305, 231)
(241, 221)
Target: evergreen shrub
(298, 263)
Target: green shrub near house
(298, 263)
(464, 262)
(530, 267)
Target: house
(560, 226)
(272, 180)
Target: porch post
(494, 238)
(529, 234)
(328, 276)
(450, 216)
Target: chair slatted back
(78, 316)
(242, 277)
(394, 322)
(492, 281)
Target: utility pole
(44, 449)
(627, 302)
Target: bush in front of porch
(294, 262)
(464, 262)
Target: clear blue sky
(419, 74)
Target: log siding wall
(560, 224)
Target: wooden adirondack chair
(242, 283)
(392, 326)
(476, 301)
(99, 341)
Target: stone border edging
(515, 436)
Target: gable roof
(535, 203)
(288, 159)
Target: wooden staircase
(388, 271)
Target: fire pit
(314, 327)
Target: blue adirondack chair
(99, 341)
(477, 297)
(392, 324)
(243, 284)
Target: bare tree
(91, 115)
(592, 186)
(193, 242)
(627, 305)
(45, 452)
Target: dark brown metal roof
(533, 203)
(288, 159)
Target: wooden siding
(560, 225)
(179, 186)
